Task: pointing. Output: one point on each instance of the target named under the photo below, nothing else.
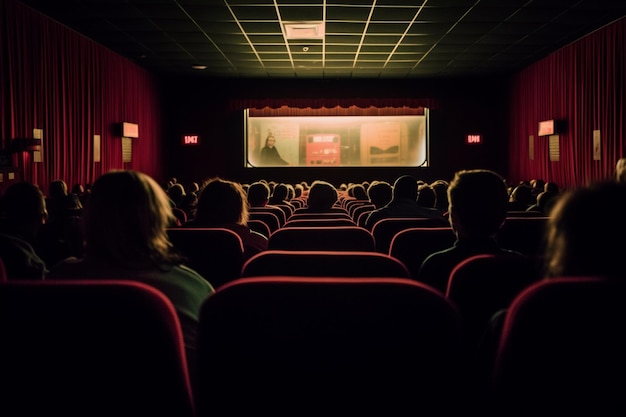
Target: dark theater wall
(202, 107)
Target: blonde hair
(620, 170)
(126, 221)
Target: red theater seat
(323, 263)
(91, 348)
(562, 350)
(298, 346)
(331, 238)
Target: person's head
(358, 191)
(298, 190)
(78, 189)
(426, 196)
(523, 195)
(176, 193)
(580, 242)
(281, 193)
(222, 202)
(405, 187)
(192, 187)
(270, 141)
(380, 193)
(258, 194)
(126, 220)
(23, 209)
(477, 202)
(322, 196)
(546, 200)
(620, 170)
(537, 185)
(441, 192)
(57, 188)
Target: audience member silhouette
(321, 199)
(357, 191)
(380, 193)
(291, 192)
(441, 192)
(546, 199)
(258, 194)
(81, 192)
(426, 196)
(176, 193)
(537, 185)
(62, 234)
(188, 204)
(22, 214)
(224, 203)
(579, 242)
(280, 198)
(60, 203)
(298, 190)
(126, 238)
(192, 187)
(403, 204)
(478, 202)
(521, 198)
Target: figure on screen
(269, 153)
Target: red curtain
(59, 81)
(336, 111)
(583, 84)
(367, 103)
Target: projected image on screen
(335, 141)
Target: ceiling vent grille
(304, 30)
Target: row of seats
(218, 253)
(522, 233)
(306, 346)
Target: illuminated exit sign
(473, 139)
(191, 140)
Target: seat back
(323, 263)
(286, 346)
(215, 253)
(562, 350)
(298, 202)
(360, 209)
(362, 217)
(279, 212)
(411, 246)
(320, 216)
(523, 234)
(385, 229)
(350, 205)
(319, 222)
(483, 284)
(91, 348)
(269, 218)
(286, 208)
(336, 209)
(260, 226)
(331, 238)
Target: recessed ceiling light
(199, 67)
(304, 30)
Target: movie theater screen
(337, 141)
